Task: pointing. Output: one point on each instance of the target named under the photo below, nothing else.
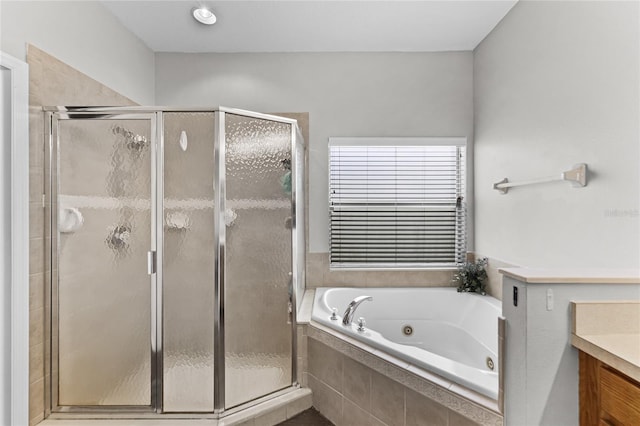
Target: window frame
(460, 142)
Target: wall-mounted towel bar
(577, 176)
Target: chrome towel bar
(577, 176)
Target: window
(397, 202)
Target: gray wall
(84, 35)
(346, 94)
(556, 83)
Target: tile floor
(310, 417)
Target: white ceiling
(311, 25)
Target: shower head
(132, 141)
(137, 143)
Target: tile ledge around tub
(410, 369)
(573, 275)
(304, 313)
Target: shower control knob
(361, 324)
(334, 314)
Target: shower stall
(176, 255)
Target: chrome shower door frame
(54, 115)
(220, 250)
(155, 115)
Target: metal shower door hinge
(151, 262)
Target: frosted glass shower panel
(258, 258)
(103, 291)
(188, 290)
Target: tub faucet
(347, 318)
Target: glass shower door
(188, 261)
(257, 277)
(101, 290)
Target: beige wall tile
(357, 383)
(326, 400)
(36, 401)
(325, 364)
(36, 183)
(36, 363)
(36, 255)
(55, 83)
(345, 278)
(36, 220)
(36, 141)
(352, 415)
(36, 79)
(316, 267)
(36, 327)
(423, 411)
(36, 291)
(319, 275)
(409, 278)
(376, 422)
(387, 399)
(301, 342)
(456, 419)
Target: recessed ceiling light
(204, 15)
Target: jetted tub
(451, 334)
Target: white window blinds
(397, 202)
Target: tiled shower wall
(51, 82)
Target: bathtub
(451, 334)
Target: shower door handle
(151, 262)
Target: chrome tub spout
(347, 318)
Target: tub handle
(334, 314)
(361, 324)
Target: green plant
(472, 277)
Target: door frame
(18, 400)
(53, 116)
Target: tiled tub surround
(354, 384)
(450, 334)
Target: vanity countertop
(573, 275)
(609, 331)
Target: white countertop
(609, 331)
(620, 351)
(573, 275)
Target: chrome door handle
(151, 262)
